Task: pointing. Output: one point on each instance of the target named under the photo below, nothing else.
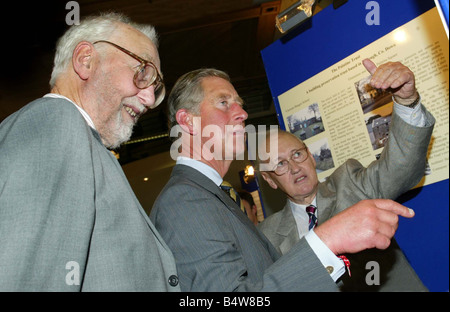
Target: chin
(305, 190)
(119, 136)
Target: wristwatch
(414, 104)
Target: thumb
(370, 66)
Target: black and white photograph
(306, 122)
(378, 123)
(322, 155)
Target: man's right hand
(367, 224)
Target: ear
(185, 119)
(82, 59)
(269, 180)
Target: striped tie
(311, 211)
(228, 188)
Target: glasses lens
(145, 76)
(148, 75)
(281, 168)
(299, 156)
(160, 92)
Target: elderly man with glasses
(399, 168)
(69, 220)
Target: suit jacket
(400, 167)
(69, 220)
(217, 248)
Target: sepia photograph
(369, 97)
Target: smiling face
(300, 182)
(114, 102)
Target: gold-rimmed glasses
(146, 74)
(297, 156)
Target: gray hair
(187, 92)
(91, 29)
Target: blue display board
(443, 7)
(326, 39)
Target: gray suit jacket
(69, 220)
(217, 248)
(400, 167)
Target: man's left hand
(395, 77)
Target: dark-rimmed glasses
(146, 74)
(298, 156)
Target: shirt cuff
(332, 264)
(413, 116)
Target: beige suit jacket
(399, 168)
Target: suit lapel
(137, 203)
(325, 200)
(202, 181)
(287, 228)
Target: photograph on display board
(306, 122)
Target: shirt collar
(203, 168)
(82, 111)
(295, 206)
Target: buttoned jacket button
(173, 280)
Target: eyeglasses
(298, 156)
(146, 74)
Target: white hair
(91, 29)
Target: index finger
(394, 207)
(370, 66)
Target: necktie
(228, 188)
(311, 211)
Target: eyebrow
(148, 57)
(226, 96)
(240, 101)
(290, 153)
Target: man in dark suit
(215, 245)
(400, 167)
(69, 220)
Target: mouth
(239, 129)
(133, 112)
(300, 179)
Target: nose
(293, 166)
(147, 97)
(239, 113)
